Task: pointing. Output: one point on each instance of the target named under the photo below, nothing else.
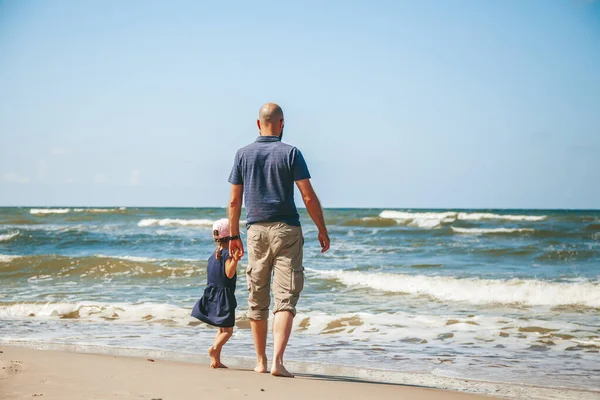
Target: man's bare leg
(259, 333)
(282, 328)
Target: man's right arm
(235, 206)
(235, 211)
(313, 206)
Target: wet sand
(49, 374)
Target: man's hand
(313, 206)
(236, 248)
(324, 241)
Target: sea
(507, 296)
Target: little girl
(217, 305)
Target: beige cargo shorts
(274, 248)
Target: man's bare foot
(214, 358)
(279, 370)
(261, 366)
(221, 365)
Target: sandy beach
(28, 373)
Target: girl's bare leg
(222, 336)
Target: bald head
(270, 120)
(270, 113)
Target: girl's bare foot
(221, 365)
(279, 370)
(214, 358)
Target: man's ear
(258, 124)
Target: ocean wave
(480, 231)
(20, 221)
(426, 220)
(130, 258)
(430, 220)
(422, 328)
(8, 236)
(567, 255)
(175, 222)
(49, 267)
(4, 258)
(371, 222)
(474, 290)
(81, 227)
(482, 216)
(383, 327)
(592, 227)
(121, 312)
(45, 211)
(113, 312)
(99, 210)
(506, 251)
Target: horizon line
(304, 208)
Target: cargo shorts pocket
(297, 283)
(256, 247)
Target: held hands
(237, 256)
(236, 249)
(324, 241)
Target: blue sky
(394, 104)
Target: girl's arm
(231, 265)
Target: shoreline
(62, 374)
(441, 386)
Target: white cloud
(100, 178)
(58, 151)
(134, 179)
(13, 177)
(68, 180)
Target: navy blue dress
(217, 305)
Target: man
(264, 173)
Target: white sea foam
(320, 322)
(40, 278)
(480, 231)
(475, 290)
(8, 236)
(116, 312)
(481, 216)
(398, 325)
(175, 222)
(425, 220)
(44, 211)
(96, 210)
(6, 258)
(160, 261)
(429, 220)
(386, 327)
(129, 258)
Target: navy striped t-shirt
(268, 169)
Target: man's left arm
(311, 201)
